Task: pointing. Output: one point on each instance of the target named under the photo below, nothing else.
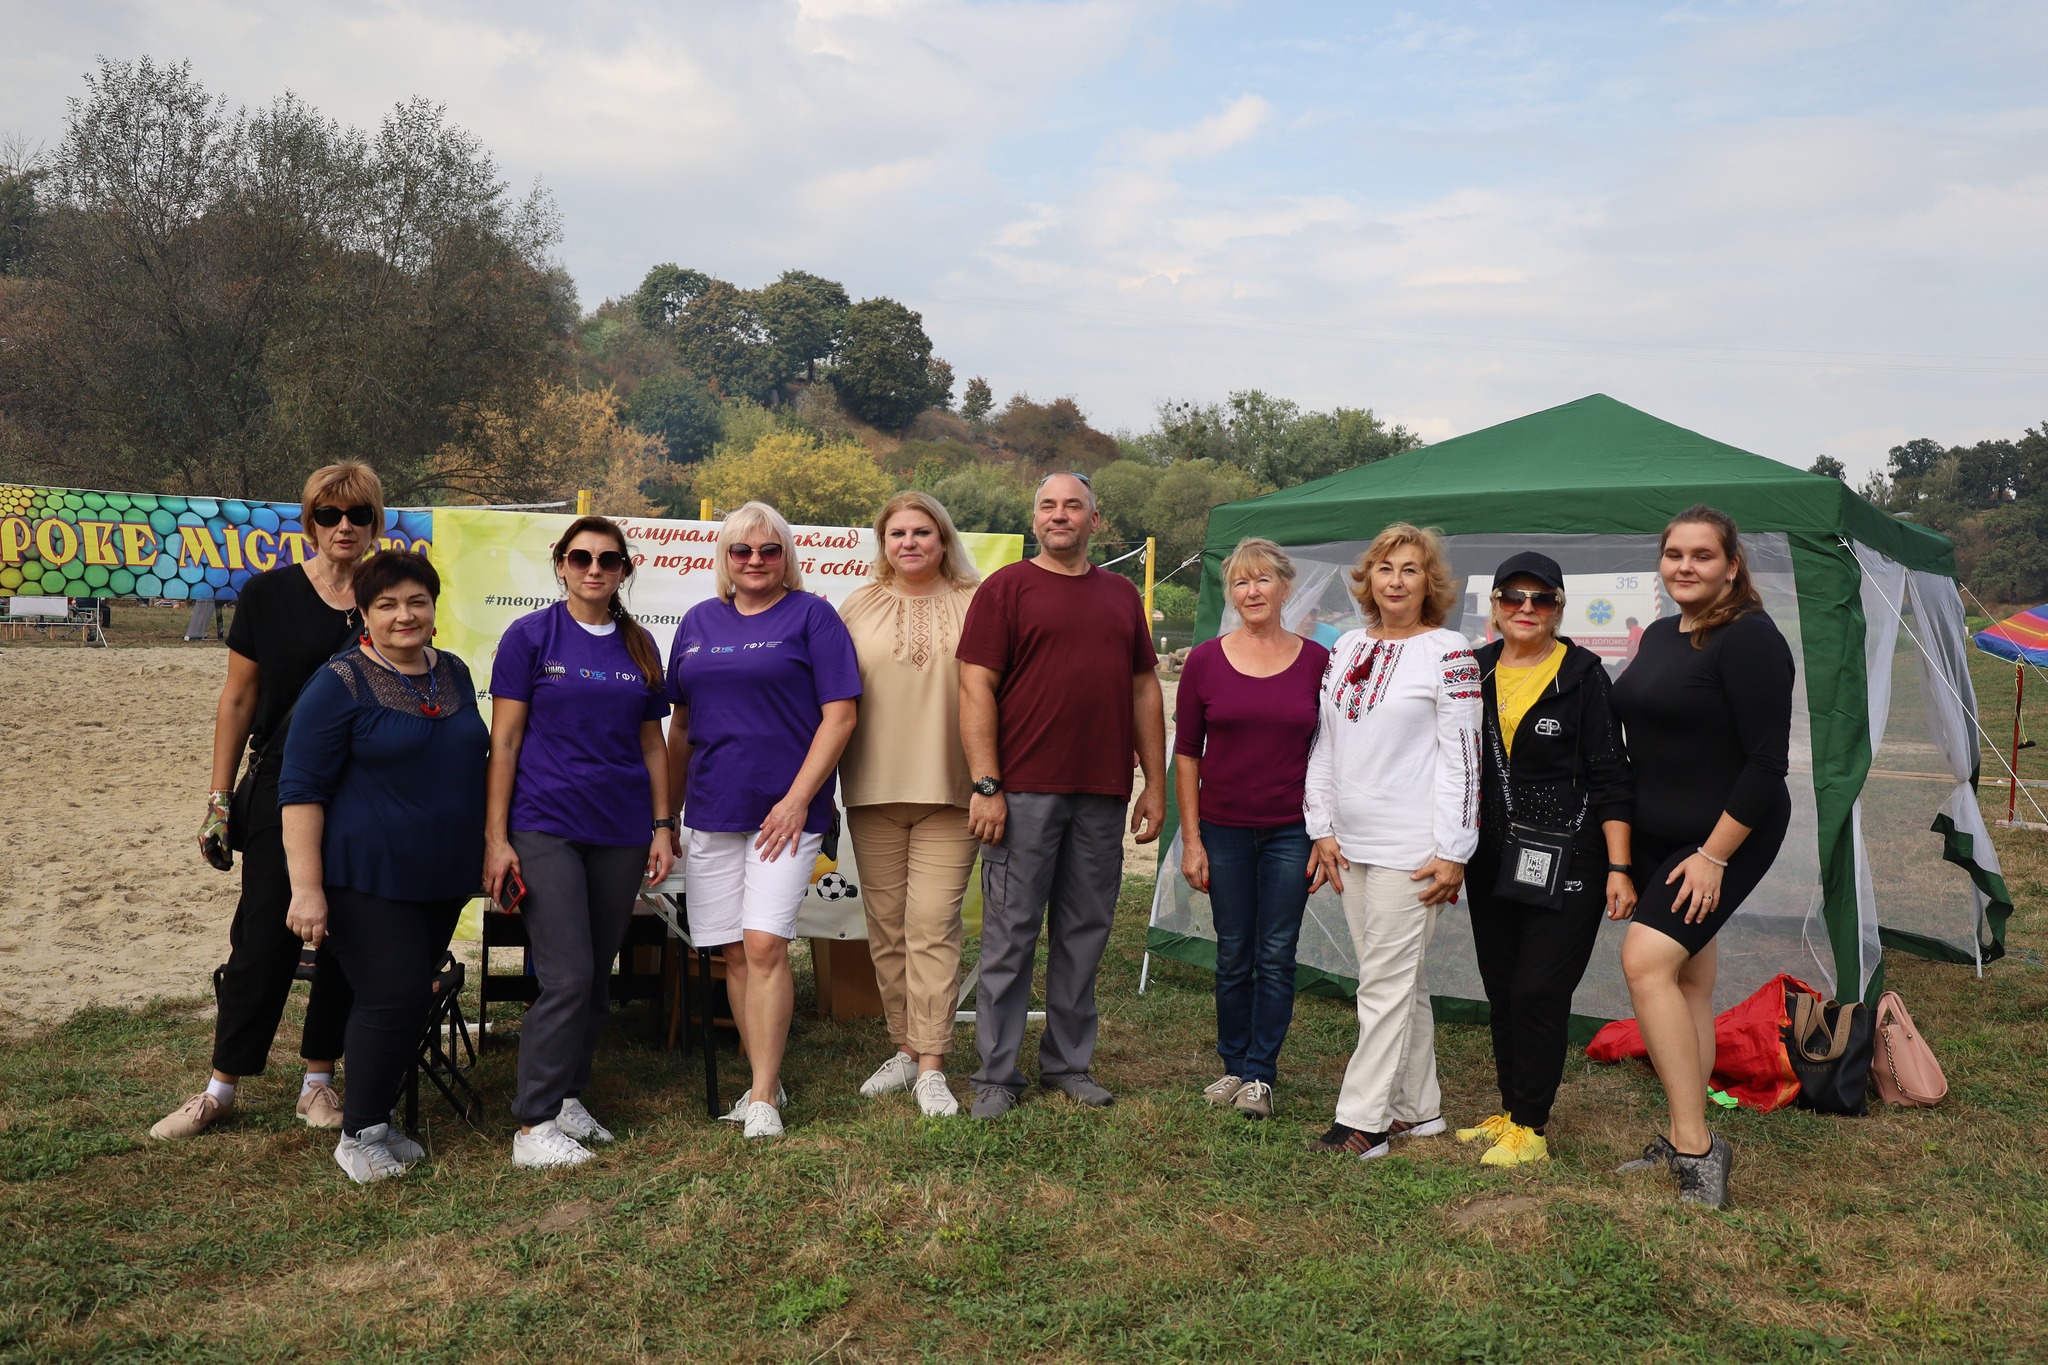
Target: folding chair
(447, 1051)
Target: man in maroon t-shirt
(1058, 686)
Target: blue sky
(1799, 227)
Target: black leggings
(1531, 960)
(1656, 858)
(263, 957)
(391, 951)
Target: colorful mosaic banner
(73, 542)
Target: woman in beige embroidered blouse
(905, 784)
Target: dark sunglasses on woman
(1541, 598)
(768, 553)
(359, 515)
(610, 561)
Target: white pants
(729, 889)
(1392, 1072)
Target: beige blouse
(906, 746)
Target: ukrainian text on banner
(75, 542)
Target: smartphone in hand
(511, 892)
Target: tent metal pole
(2019, 694)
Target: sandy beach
(104, 899)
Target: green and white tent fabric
(1887, 845)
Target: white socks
(314, 1078)
(224, 1091)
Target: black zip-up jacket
(1567, 748)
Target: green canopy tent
(1887, 844)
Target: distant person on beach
(1707, 709)
(1245, 719)
(765, 686)
(1058, 688)
(382, 800)
(578, 815)
(1393, 805)
(906, 789)
(289, 621)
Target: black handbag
(1534, 859)
(1830, 1046)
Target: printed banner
(74, 542)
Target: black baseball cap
(1530, 564)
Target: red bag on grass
(1750, 1062)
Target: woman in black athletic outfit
(1707, 707)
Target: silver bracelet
(1721, 863)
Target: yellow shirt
(1515, 690)
(906, 741)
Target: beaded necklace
(428, 706)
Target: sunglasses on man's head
(1541, 598)
(359, 515)
(768, 553)
(610, 561)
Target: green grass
(1159, 1230)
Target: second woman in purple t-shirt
(1245, 719)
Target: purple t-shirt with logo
(581, 774)
(756, 687)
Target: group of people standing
(998, 720)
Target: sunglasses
(610, 561)
(768, 554)
(1543, 599)
(359, 515)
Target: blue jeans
(1258, 889)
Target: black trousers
(1531, 960)
(263, 955)
(392, 951)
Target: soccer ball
(834, 887)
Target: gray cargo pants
(1061, 862)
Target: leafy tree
(803, 315)
(939, 384)
(984, 497)
(1053, 436)
(835, 485)
(722, 337)
(613, 347)
(2010, 554)
(1174, 602)
(1272, 439)
(977, 400)
(1178, 510)
(1123, 491)
(744, 424)
(927, 462)
(20, 171)
(1915, 459)
(1830, 466)
(885, 375)
(563, 440)
(681, 411)
(665, 292)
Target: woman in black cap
(1556, 799)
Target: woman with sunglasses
(578, 814)
(382, 801)
(764, 681)
(288, 621)
(1552, 760)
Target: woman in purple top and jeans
(1244, 721)
(579, 775)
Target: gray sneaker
(993, 1101)
(1222, 1090)
(1081, 1088)
(1656, 1157)
(1254, 1100)
(367, 1156)
(1704, 1179)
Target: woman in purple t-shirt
(764, 680)
(1244, 721)
(576, 812)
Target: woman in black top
(1549, 728)
(288, 621)
(1707, 706)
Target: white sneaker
(577, 1122)
(368, 1156)
(400, 1144)
(763, 1120)
(738, 1112)
(934, 1096)
(547, 1145)
(898, 1073)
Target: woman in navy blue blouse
(382, 796)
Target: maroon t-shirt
(1067, 646)
(1251, 734)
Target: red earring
(364, 638)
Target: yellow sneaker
(1516, 1146)
(1490, 1130)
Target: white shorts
(729, 889)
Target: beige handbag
(1905, 1069)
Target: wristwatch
(988, 786)
(1625, 869)
(667, 822)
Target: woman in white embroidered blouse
(905, 784)
(1393, 805)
